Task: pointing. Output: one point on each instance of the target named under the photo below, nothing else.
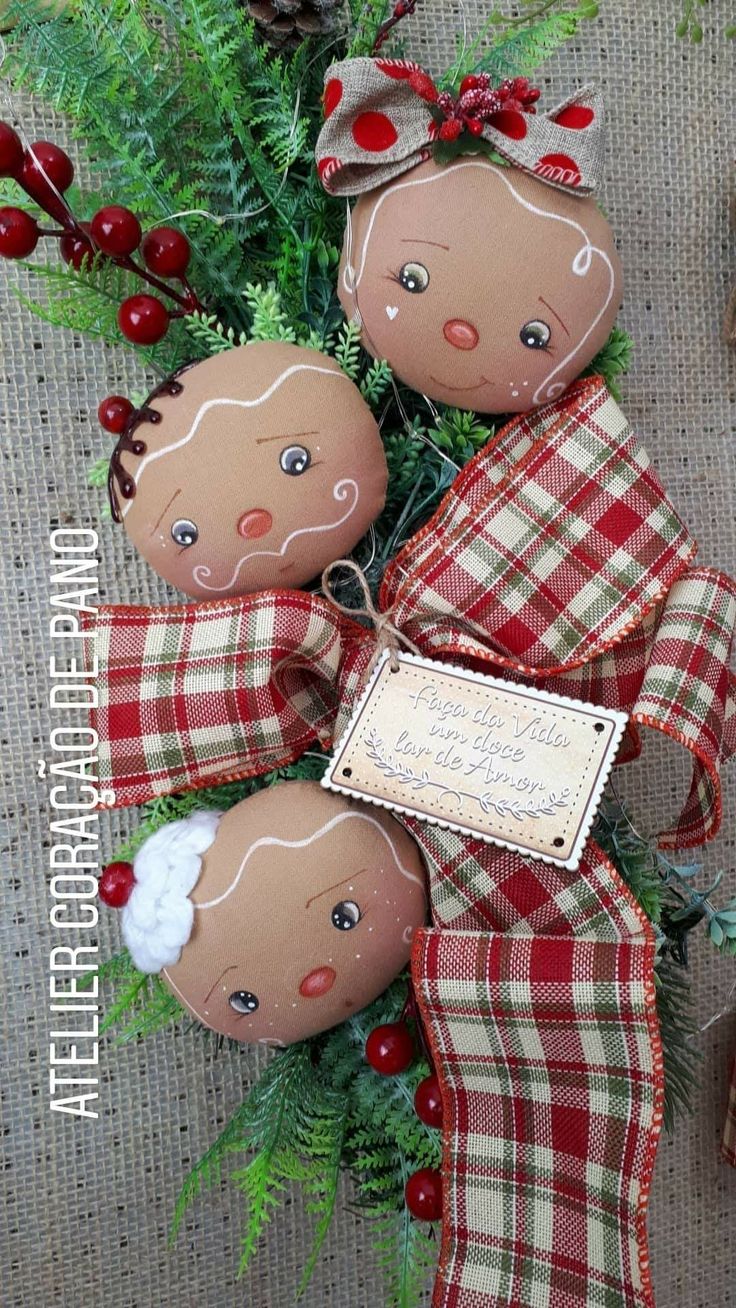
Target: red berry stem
(401, 10)
(188, 302)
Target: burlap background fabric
(86, 1206)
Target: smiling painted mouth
(446, 386)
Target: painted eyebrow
(412, 240)
(557, 316)
(231, 968)
(165, 510)
(337, 884)
(290, 436)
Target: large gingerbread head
(279, 918)
(488, 280)
(252, 469)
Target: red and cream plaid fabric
(537, 994)
(555, 558)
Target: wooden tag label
(519, 767)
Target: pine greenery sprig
(516, 45)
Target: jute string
(388, 635)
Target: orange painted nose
(255, 523)
(318, 982)
(460, 333)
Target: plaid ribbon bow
(383, 116)
(555, 558)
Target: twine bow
(385, 116)
(388, 635)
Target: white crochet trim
(157, 919)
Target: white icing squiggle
(339, 492)
(224, 401)
(266, 841)
(581, 264)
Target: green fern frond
(348, 349)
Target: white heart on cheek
(392, 310)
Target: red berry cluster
(476, 103)
(390, 1050)
(45, 172)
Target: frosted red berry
(116, 231)
(45, 162)
(19, 233)
(166, 252)
(75, 248)
(116, 883)
(450, 129)
(423, 1194)
(422, 85)
(11, 151)
(114, 413)
(428, 1101)
(143, 319)
(389, 1049)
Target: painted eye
(345, 915)
(243, 1001)
(414, 277)
(295, 460)
(535, 335)
(184, 532)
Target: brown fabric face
(481, 286)
(269, 458)
(307, 905)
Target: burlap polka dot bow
(384, 116)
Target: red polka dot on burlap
(510, 123)
(399, 69)
(575, 116)
(332, 95)
(374, 132)
(559, 168)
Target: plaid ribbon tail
(541, 1018)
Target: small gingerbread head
(475, 261)
(279, 918)
(251, 469)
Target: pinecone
(283, 24)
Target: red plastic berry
(474, 126)
(11, 151)
(390, 1048)
(423, 1194)
(143, 319)
(18, 233)
(114, 412)
(116, 230)
(166, 252)
(115, 884)
(469, 83)
(428, 1101)
(75, 249)
(45, 162)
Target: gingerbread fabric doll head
(485, 286)
(279, 918)
(254, 468)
